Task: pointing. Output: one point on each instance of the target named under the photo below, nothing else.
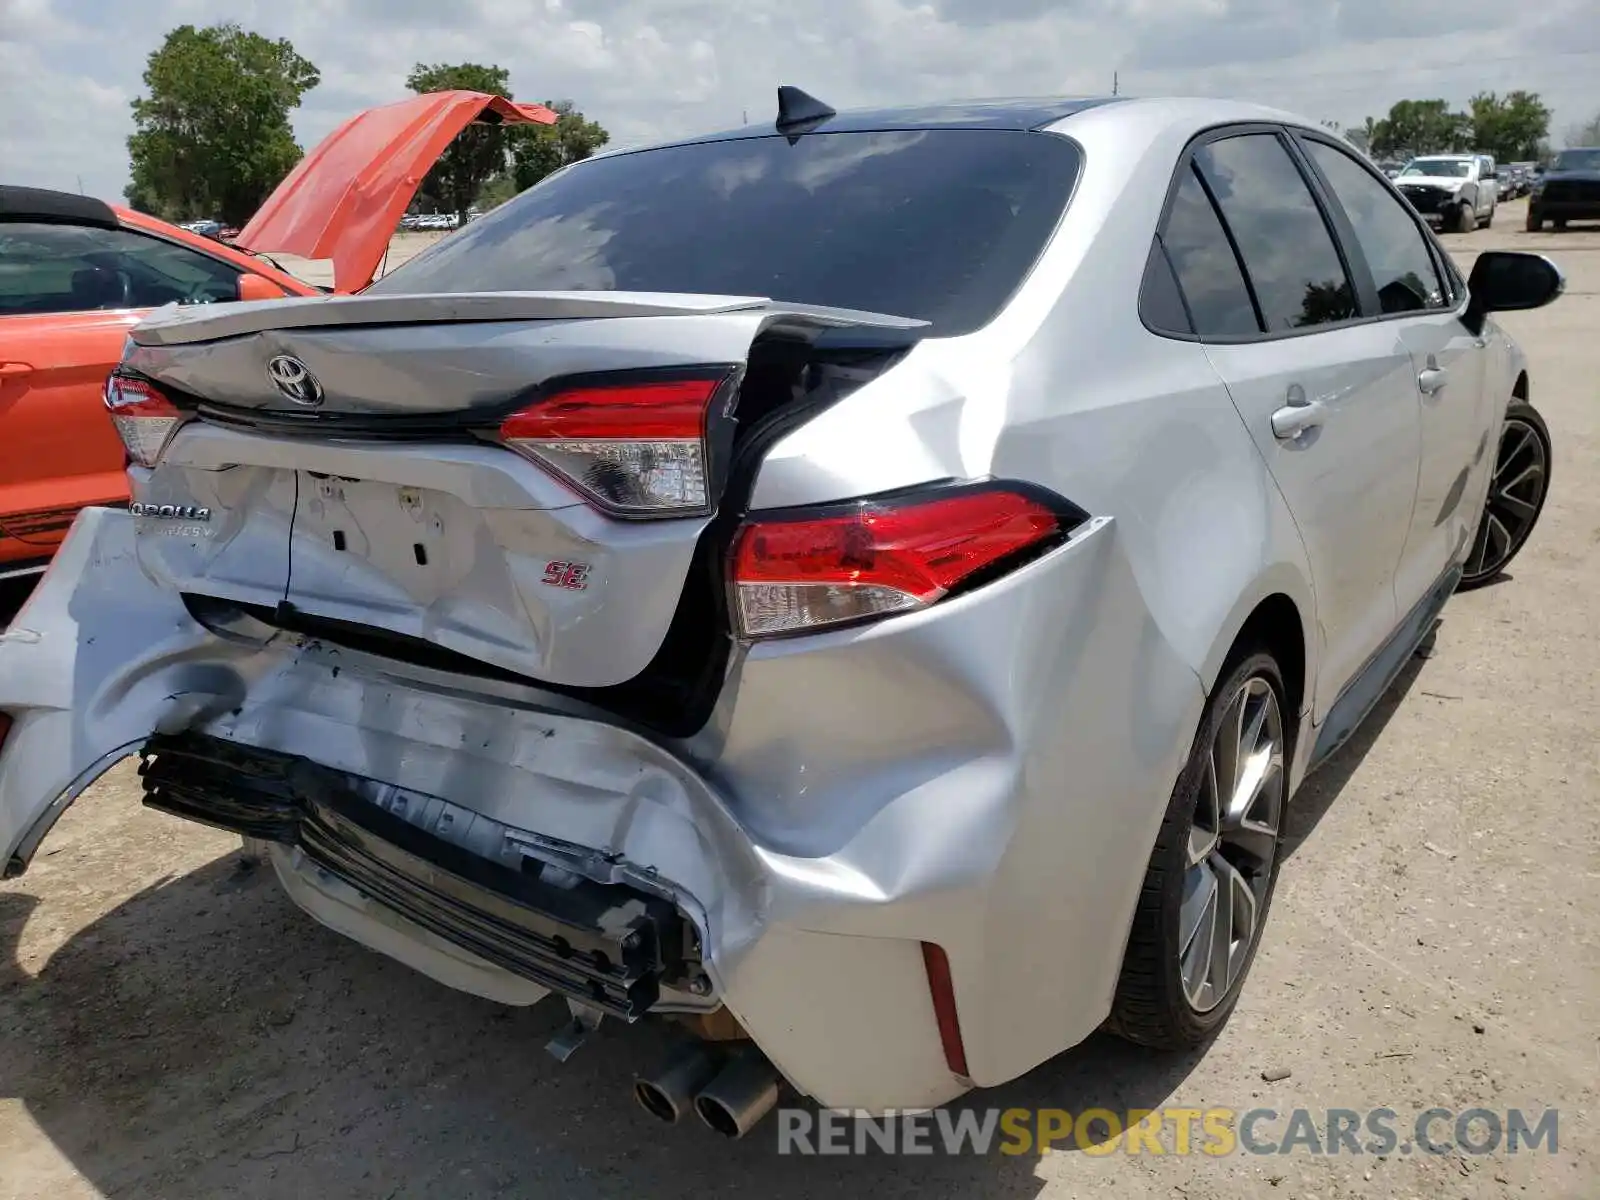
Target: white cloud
(654, 69)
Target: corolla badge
(291, 377)
(170, 512)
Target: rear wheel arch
(1278, 616)
(1275, 626)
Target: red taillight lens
(801, 573)
(637, 449)
(145, 419)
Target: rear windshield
(939, 224)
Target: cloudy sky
(648, 69)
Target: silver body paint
(988, 775)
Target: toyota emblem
(290, 376)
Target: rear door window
(1289, 253)
(937, 224)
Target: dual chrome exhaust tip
(731, 1095)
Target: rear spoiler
(175, 326)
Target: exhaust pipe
(669, 1092)
(742, 1093)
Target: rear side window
(937, 224)
(1289, 253)
(1206, 266)
(54, 268)
(1395, 249)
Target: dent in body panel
(985, 772)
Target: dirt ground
(173, 1028)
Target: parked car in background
(840, 586)
(1455, 192)
(210, 229)
(1568, 191)
(77, 274)
(1391, 168)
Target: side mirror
(258, 287)
(1507, 280)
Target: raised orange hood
(346, 197)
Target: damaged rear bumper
(507, 846)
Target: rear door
(1420, 301)
(1328, 397)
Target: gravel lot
(174, 1028)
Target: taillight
(635, 448)
(145, 419)
(801, 572)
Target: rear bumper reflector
(943, 990)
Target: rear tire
(1488, 222)
(1560, 223)
(1516, 496)
(1216, 857)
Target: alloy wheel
(1233, 843)
(1516, 494)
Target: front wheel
(1211, 875)
(1466, 219)
(1516, 495)
(1534, 223)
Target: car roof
(44, 204)
(1025, 114)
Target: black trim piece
(608, 945)
(1362, 694)
(1233, 242)
(51, 207)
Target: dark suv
(1568, 191)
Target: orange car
(76, 274)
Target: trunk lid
(345, 198)
(390, 506)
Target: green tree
(1510, 128)
(1420, 127)
(539, 150)
(479, 152)
(212, 138)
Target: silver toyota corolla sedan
(866, 588)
